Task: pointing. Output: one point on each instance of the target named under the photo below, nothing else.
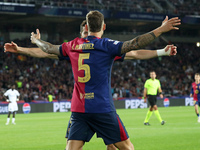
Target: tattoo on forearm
(48, 47)
(138, 42)
(44, 46)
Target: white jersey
(12, 96)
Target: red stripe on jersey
(194, 86)
(117, 57)
(78, 100)
(122, 132)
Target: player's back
(91, 60)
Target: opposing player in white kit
(12, 96)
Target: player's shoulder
(148, 80)
(8, 90)
(72, 41)
(107, 39)
(76, 39)
(193, 83)
(115, 42)
(157, 80)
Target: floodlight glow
(198, 44)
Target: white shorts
(12, 107)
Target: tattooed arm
(138, 42)
(33, 52)
(145, 39)
(45, 46)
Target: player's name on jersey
(83, 46)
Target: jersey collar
(92, 37)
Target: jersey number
(84, 67)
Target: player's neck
(197, 82)
(96, 34)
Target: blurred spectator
(181, 7)
(50, 97)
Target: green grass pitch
(46, 131)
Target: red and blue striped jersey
(91, 59)
(195, 91)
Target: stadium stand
(186, 7)
(181, 7)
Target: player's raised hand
(34, 36)
(171, 50)
(38, 34)
(170, 24)
(11, 47)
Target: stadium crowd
(181, 7)
(36, 78)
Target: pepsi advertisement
(26, 108)
(65, 106)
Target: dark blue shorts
(68, 127)
(197, 103)
(108, 126)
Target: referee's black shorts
(152, 100)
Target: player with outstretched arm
(91, 59)
(169, 50)
(87, 102)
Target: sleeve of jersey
(61, 58)
(18, 93)
(114, 47)
(6, 94)
(192, 91)
(146, 84)
(63, 50)
(120, 58)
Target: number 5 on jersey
(84, 67)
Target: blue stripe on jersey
(110, 90)
(103, 101)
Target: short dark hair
(94, 21)
(197, 74)
(82, 25)
(152, 71)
